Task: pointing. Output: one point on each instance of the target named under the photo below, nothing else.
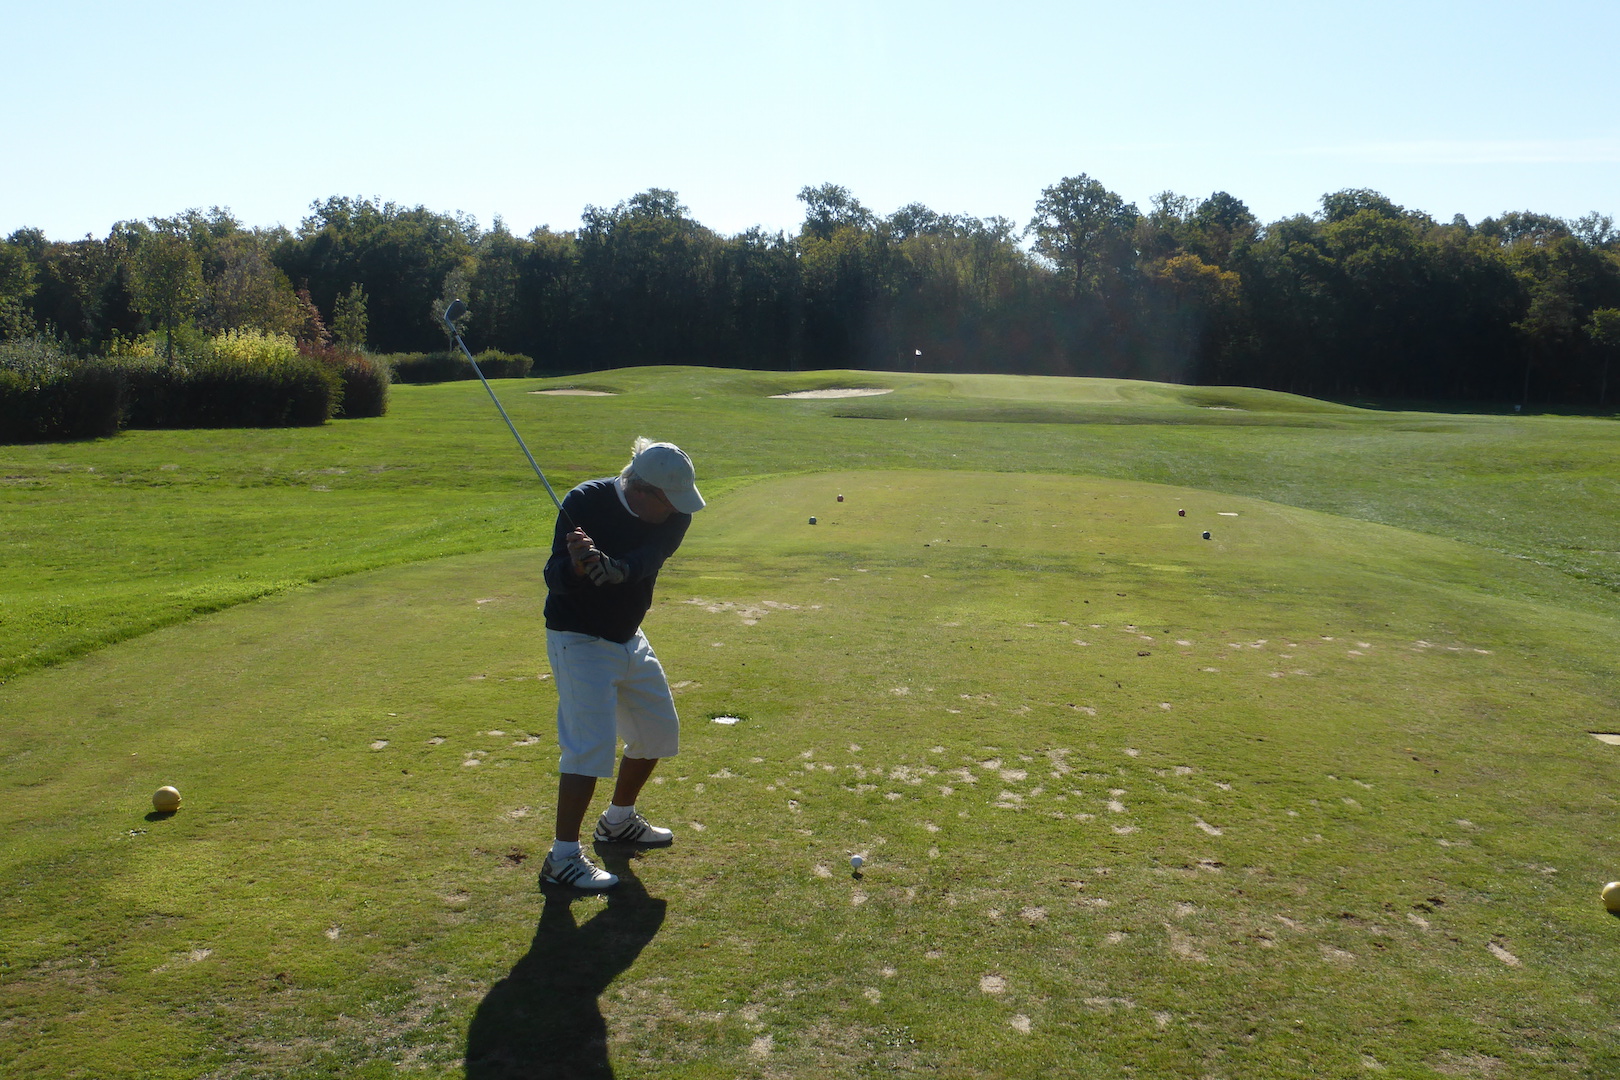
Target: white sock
(565, 849)
(616, 813)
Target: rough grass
(1313, 797)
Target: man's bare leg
(633, 774)
(574, 793)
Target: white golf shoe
(632, 830)
(577, 872)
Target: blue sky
(534, 110)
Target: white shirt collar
(619, 486)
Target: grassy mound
(109, 540)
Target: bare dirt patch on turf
(749, 613)
(575, 393)
(1468, 1064)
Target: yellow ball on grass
(1611, 896)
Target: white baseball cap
(665, 466)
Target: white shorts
(605, 692)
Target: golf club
(455, 311)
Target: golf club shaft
(509, 426)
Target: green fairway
(114, 537)
(1313, 797)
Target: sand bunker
(869, 391)
(574, 393)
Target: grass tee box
(1312, 797)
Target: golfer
(608, 545)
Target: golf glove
(606, 570)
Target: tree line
(1362, 299)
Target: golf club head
(455, 311)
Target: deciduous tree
(401, 254)
(349, 318)
(167, 278)
(17, 285)
(1604, 330)
(830, 207)
(1085, 229)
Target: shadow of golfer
(543, 1020)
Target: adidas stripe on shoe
(576, 872)
(632, 830)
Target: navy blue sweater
(614, 612)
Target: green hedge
(365, 387)
(452, 366)
(428, 367)
(364, 379)
(222, 393)
(46, 394)
(504, 365)
(82, 402)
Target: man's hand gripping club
(589, 562)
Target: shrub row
(364, 379)
(450, 366)
(427, 367)
(45, 394)
(365, 388)
(504, 365)
(221, 394)
(84, 402)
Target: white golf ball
(856, 861)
